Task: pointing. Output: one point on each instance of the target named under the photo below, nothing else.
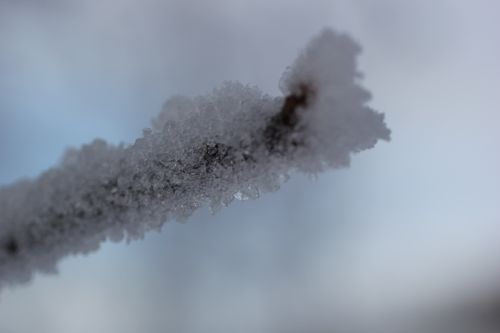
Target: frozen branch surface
(233, 143)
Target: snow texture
(235, 142)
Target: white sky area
(412, 227)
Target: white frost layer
(210, 149)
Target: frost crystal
(233, 143)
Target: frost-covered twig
(233, 143)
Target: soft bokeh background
(411, 230)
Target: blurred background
(407, 237)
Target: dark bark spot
(286, 121)
(216, 154)
(11, 247)
(292, 102)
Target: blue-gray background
(412, 224)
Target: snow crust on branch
(235, 142)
